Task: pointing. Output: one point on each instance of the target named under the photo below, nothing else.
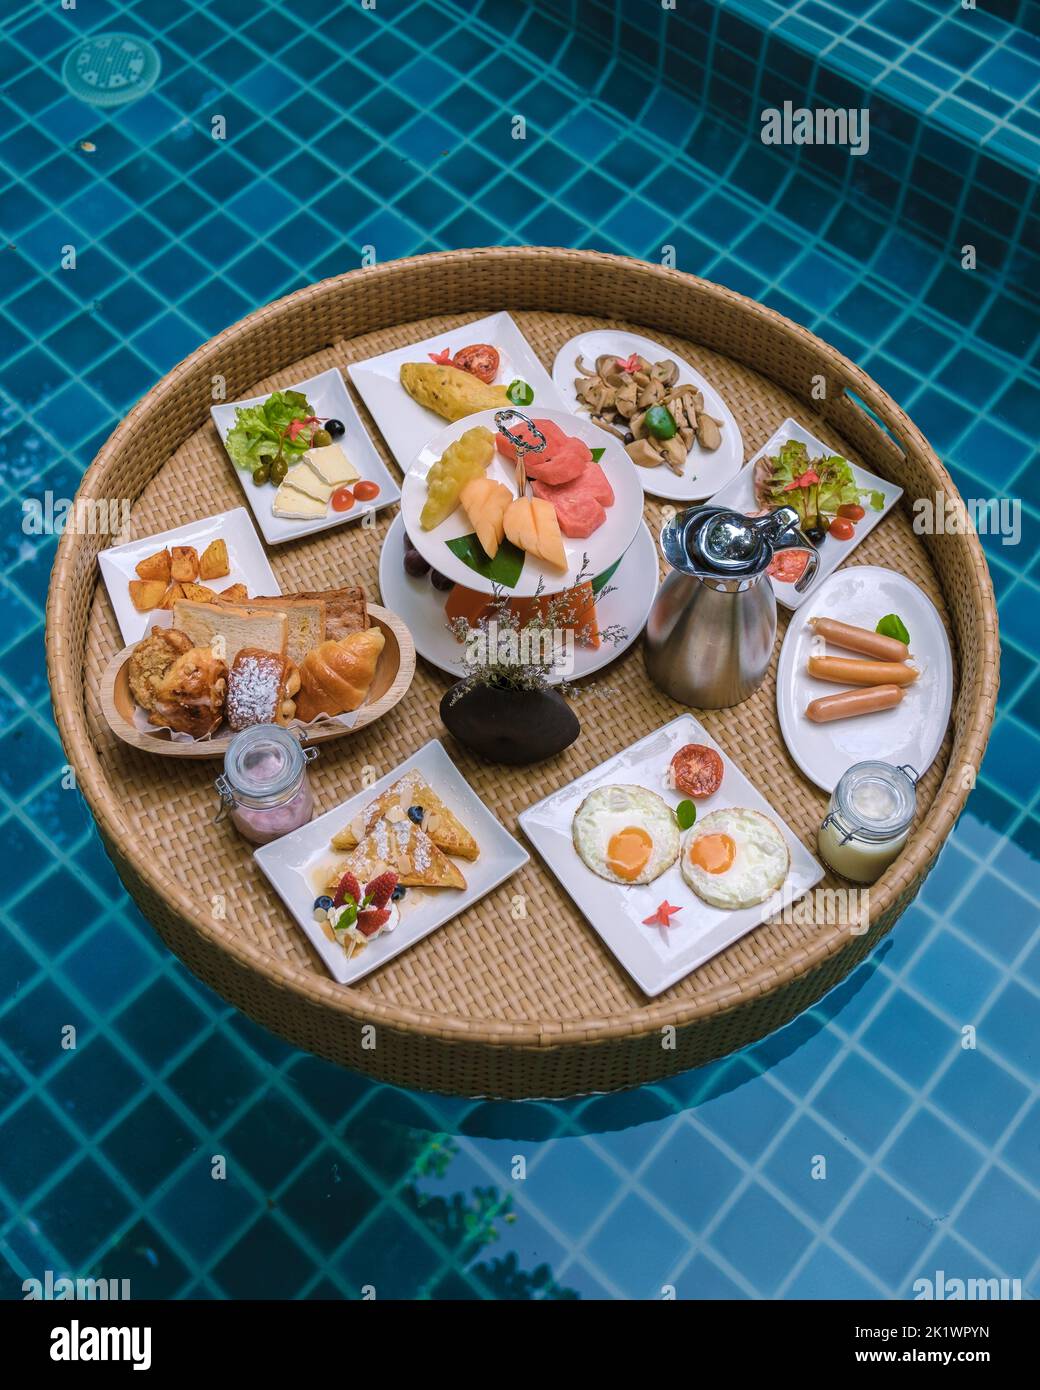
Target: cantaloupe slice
(531, 524)
(484, 502)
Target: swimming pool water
(391, 128)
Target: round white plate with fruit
(581, 508)
(418, 595)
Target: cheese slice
(305, 480)
(331, 465)
(289, 502)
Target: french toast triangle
(443, 827)
(403, 846)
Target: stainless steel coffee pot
(711, 630)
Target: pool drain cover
(108, 69)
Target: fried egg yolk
(713, 853)
(628, 852)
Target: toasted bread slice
(225, 630)
(184, 564)
(214, 563)
(443, 827)
(306, 621)
(409, 851)
(146, 594)
(345, 609)
(155, 566)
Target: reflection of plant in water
(466, 1225)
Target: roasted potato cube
(172, 594)
(214, 562)
(235, 593)
(184, 564)
(155, 566)
(146, 594)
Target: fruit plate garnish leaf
(602, 580)
(504, 569)
(685, 814)
(597, 454)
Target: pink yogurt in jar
(265, 787)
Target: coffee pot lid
(717, 541)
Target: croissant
(190, 697)
(335, 676)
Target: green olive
(261, 475)
(278, 471)
(659, 422)
(320, 439)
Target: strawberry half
(370, 919)
(348, 888)
(378, 891)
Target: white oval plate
(913, 731)
(705, 471)
(602, 548)
(421, 606)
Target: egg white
(607, 810)
(759, 866)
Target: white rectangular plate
(246, 557)
(656, 957)
(329, 398)
(297, 865)
(405, 424)
(739, 495)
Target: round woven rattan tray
(494, 1004)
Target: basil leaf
(520, 393)
(893, 626)
(685, 814)
(597, 454)
(504, 569)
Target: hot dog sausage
(859, 639)
(848, 703)
(854, 670)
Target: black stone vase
(505, 725)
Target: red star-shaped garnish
(442, 358)
(628, 364)
(662, 917)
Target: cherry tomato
(342, 499)
(852, 510)
(841, 529)
(365, 491)
(480, 360)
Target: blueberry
(398, 893)
(324, 902)
(336, 428)
(415, 813)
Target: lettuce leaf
(260, 431)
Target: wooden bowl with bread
(324, 678)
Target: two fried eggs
(732, 858)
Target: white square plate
(405, 424)
(739, 495)
(246, 558)
(657, 957)
(298, 865)
(329, 398)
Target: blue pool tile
(655, 1246)
(761, 1238)
(328, 1200)
(795, 1166)
(954, 976)
(909, 1039)
(861, 1103)
(691, 1176)
(825, 1275)
(887, 1230)
(978, 1094)
(1001, 1219)
(205, 1212)
(149, 1143)
(36, 1144)
(933, 1162)
(81, 1209)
